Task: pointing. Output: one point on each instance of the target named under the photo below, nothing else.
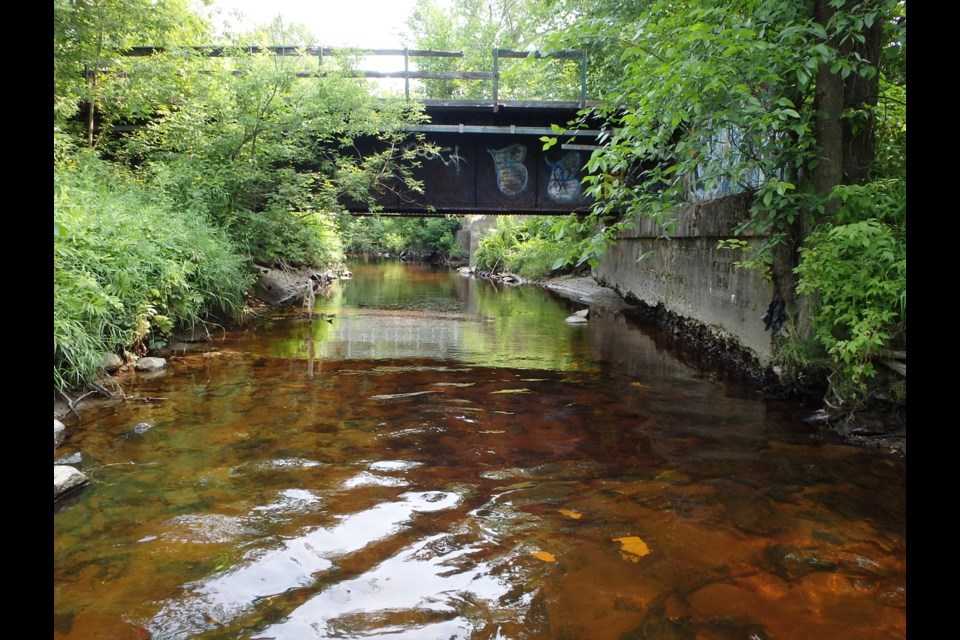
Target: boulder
(66, 479)
(111, 362)
(151, 364)
(58, 432)
(277, 287)
(576, 320)
(586, 290)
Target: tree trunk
(829, 128)
(860, 93)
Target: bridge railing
(407, 74)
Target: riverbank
(879, 425)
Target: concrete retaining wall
(686, 277)
(473, 229)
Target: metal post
(406, 72)
(583, 79)
(496, 79)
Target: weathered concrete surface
(472, 229)
(66, 479)
(687, 276)
(585, 290)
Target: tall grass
(129, 267)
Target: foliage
(431, 238)
(129, 266)
(856, 266)
(226, 160)
(270, 156)
(529, 248)
(475, 28)
(89, 70)
(706, 98)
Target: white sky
(374, 24)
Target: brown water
(457, 462)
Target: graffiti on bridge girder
(564, 185)
(449, 157)
(511, 172)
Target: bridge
(476, 156)
(477, 159)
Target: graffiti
(564, 185)
(726, 148)
(449, 157)
(511, 172)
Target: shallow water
(436, 458)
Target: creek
(436, 457)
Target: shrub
(127, 266)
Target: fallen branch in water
(142, 464)
(71, 403)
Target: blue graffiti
(721, 173)
(564, 185)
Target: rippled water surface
(436, 458)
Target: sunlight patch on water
(226, 595)
(367, 479)
(394, 465)
(403, 596)
(396, 396)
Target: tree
(476, 27)
(789, 101)
(90, 37)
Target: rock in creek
(58, 432)
(575, 320)
(66, 479)
(142, 427)
(73, 458)
(281, 286)
(111, 362)
(151, 364)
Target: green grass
(129, 267)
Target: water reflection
(478, 484)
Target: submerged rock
(66, 479)
(73, 458)
(194, 334)
(142, 427)
(151, 364)
(58, 432)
